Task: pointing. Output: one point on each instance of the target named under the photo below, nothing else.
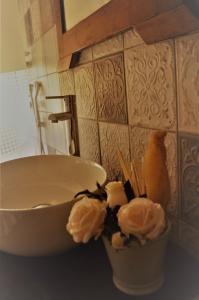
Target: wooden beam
(112, 18)
(193, 5)
(155, 20)
(173, 23)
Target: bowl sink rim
(35, 210)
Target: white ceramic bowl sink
(36, 196)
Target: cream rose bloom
(142, 218)
(117, 241)
(115, 194)
(86, 219)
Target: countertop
(84, 273)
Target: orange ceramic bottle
(155, 170)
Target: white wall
(78, 10)
(11, 37)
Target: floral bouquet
(131, 218)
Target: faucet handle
(54, 118)
(65, 97)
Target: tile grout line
(178, 150)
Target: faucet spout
(55, 118)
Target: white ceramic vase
(139, 270)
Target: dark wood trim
(193, 5)
(170, 24)
(119, 15)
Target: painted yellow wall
(78, 10)
(11, 37)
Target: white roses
(142, 218)
(86, 219)
(116, 194)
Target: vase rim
(149, 242)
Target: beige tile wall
(125, 89)
(41, 34)
(137, 88)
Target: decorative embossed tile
(47, 14)
(187, 49)
(189, 238)
(84, 86)
(67, 83)
(189, 172)
(151, 86)
(36, 20)
(112, 138)
(110, 89)
(110, 46)
(86, 56)
(132, 39)
(138, 143)
(89, 140)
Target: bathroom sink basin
(36, 196)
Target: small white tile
(54, 134)
(132, 39)
(43, 92)
(36, 20)
(54, 105)
(39, 62)
(51, 50)
(110, 46)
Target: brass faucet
(70, 102)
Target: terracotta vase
(139, 270)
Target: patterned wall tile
(189, 173)
(132, 39)
(138, 143)
(189, 239)
(67, 83)
(109, 46)
(151, 86)
(187, 49)
(84, 86)
(112, 138)
(36, 20)
(110, 89)
(89, 140)
(86, 56)
(47, 15)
